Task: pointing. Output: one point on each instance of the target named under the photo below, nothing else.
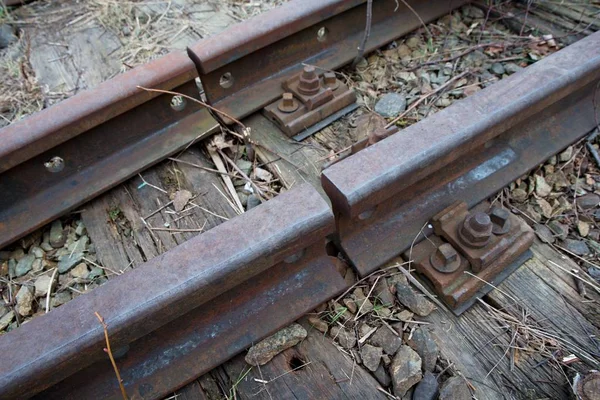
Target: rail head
(54, 346)
(358, 183)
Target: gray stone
(79, 245)
(24, 306)
(244, 165)
(383, 293)
(12, 267)
(37, 252)
(371, 356)
(25, 265)
(80, 271)
(544, 233)
(263, 352)
(413, 42)
(42, 284)
(385, 339)
(7, 36)
(252, 202)
(427, 389)
(68, 261)
(588, 201)
(455, 388)
(6, 320)
(57, 235)
(243, 198)
(80, 230)
(38, 265)
(46, 246)
(405, 370)
(60, 298)
(319, 324)
(497, 69)
(382, 375)
(577, 247)
(423, 343)
(519, 195)
(17, 253)
(594, 273)
(344, 338)
(559, 230)
(542, 188)
(511, 68)
(390, 105)
(95, 273)
(566, 155)
(413, 301)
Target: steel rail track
(214, 295)
(63, 156)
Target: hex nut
(476, 230)
(309, 83)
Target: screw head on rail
(330, 81)
(476, 230)
(309, 84)
(445, 259)
(500, 220)
(288, 104)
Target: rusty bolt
(330, 81)
(287, 104)
(500, 220)
(445, 259)
(309, 81)
(476, 229)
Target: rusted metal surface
(157, 364)
(67, 175)
(54, 346)
(243, 70)
(465, 245)
(384, 195)
(314, 97)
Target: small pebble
(427, 389)
(390, 105)
(252, 202)
(371, 356)
(57, 235)
(318, 323)
(455, 388)
(24, 265)
(343, 337)
(264, 351)
(413, 301)
(405, 370)
(24, 306)
(42, 283)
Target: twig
(363, 43)
(110, 355)
(421, 287)
(195, 101)
(239, 171)
(239, 208)
(575, 275)
(50, 290)
(216, 171)
(423, 98)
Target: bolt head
(330, 81)
(476, 229)
(287, 103)
(500, 219)
(445, 259)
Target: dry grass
(20, 94)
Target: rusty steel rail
(283, 239)
(385, 194)
(63, 156)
